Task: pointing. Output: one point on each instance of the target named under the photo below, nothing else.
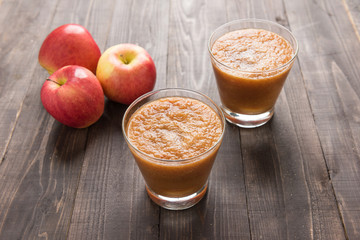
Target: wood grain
(294, 178)
(292, 184)
(18, 61)
(111, 199)
(189, 67)
(51, 197)
(38, 172)
(330, 73)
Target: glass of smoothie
(251, 59)
(174, 136)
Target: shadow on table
(189, 224)
(69, 144)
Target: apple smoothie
(251, 62)
(173, 129)
(174, 141)
(253, 51)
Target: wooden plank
(223, 213)
(331, 73)
(111, 201)
(295, 178)
(351, 8)
(325, 217)
(276, 188)
(19, 57)
(286, 200)
(40, 171)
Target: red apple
(126, 71)
(73, 96)
(69, 44)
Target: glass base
(247, 121)
(177, 203)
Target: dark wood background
(298, 177)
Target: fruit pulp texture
(177, 139)
(253, 69)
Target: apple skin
(126, 71)
(73, 96)
(69, 44)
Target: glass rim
(254, 20)
(146, 95)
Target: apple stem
(48, 79)
(123, 59)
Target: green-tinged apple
(73, 96)
(69, 44)
(126, 71)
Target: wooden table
(297, 177)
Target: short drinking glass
(174, 136)
(251, 59)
